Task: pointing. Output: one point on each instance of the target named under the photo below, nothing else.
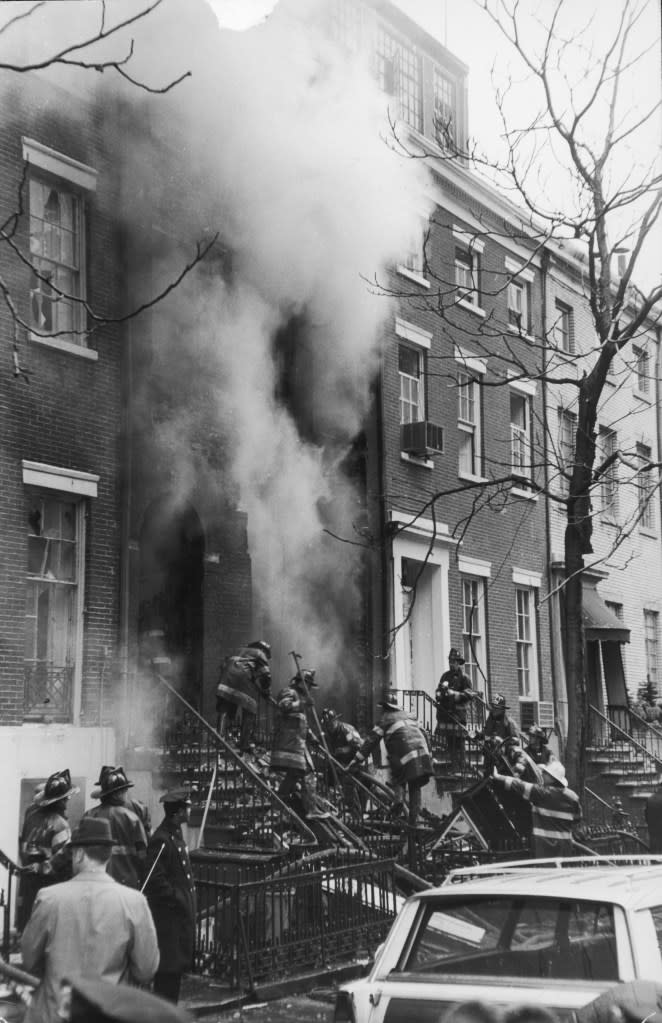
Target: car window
(514, 936)
(656, 914)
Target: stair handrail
(626, 735)
(648, 728)
(302, 827)
(417, 694)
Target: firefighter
(536, 747)
(555, 809)
(46, 852)
(290, 752)
(452, 698)
(342, 738)
(407, 750)
(130, 841)
(244, 676)
(500, 734)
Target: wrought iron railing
(233, 805)
(634, 758)
(643, 731)
(422, 706)
(48, 691)
(8, 897)
(302, 917)
(608, 826)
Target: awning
(599, 622)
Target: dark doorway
(170, 615)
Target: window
(56, 286)
(520, 434)
(642, 371)
(467, 275)
(469, 424)
(410, 368)
(518, 305)
(399, 74)
(414, 260)
(608, 446)
(651, 635)
(473, 628)
(445, 110)
(563, 328)
(646, 488)
(527, 673)
(566, 448)
(52, 618)
(346, 23)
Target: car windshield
(514, 936)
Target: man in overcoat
(90, 926)
(170, 892)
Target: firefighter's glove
(356, 762)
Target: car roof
(633, 882)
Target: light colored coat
(90, 926)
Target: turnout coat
(170, 893)
(406, 746)
(289, 751)
(243, 676)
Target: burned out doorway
(170, 609)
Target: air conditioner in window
(422, 438)
(536, 712)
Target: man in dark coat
(653, 813)
(452, 698)
(170, 892)
(244, 677)
(407, 749)
(128, 859)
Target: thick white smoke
(277, 142)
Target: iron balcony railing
(48, 691)
(422, 706)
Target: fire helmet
(261, 644)
(307, 677)
(556, 770)
(498, 702)
(58, 787)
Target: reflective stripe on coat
(406, 746)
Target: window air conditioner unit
(422, 438)
(534, 712)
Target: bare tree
(608, 207)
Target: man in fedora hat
(170, 892)
(407, 751)
(90, 925)
(128, 859)
(45, 853)
(453, 695)
(555, 809)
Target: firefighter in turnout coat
(128, 858)
(407, 749)
(170, 892)
(555, 809)
(244, 677)
(289, 751)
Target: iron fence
(306, 916)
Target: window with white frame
(645, 488)
(472, 594)
(566, 448)
(651, 640)
(398, 70)
(521, 460)
(607, 447)
(469, 423)
(52, 620)
(467, 275)
(527, 664)
(412, 397)
(518, 305)
(642, 369)
(57, 187)
(445, 109)
(414, 260)
(563, 328)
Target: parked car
(548, 932)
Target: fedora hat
(111, 779)
(57, 787)
(92, 831)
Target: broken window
(56, 285)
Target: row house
(471, 438)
